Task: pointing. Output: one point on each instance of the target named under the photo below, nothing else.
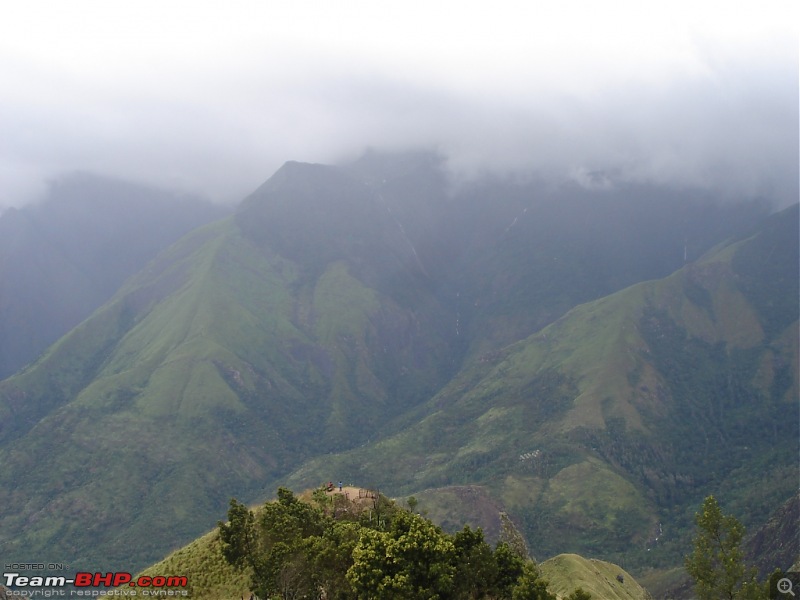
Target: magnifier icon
(785, 586)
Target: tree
(238, 534)
(321, 498)
(530, 585)
(275, 544)
(414, 559)
(510, 567)
(331, 555)
(284, 529)
(716, 564)
(476, 567)
(294, 549)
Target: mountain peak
(295, 177)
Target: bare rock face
(776, 544)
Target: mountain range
(595, 360)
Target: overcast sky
(212, 97)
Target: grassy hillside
(328, 331)
(208, 574)
(567, 572)
(219, 367)
(603, 431)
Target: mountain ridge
(67, 254)
(286, 340)
(608, 419)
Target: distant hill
(64, 256)
(596, 361)
(453, 506)
(219, 366)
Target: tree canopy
(717, 563)
(374, 549)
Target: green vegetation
(717, 562)
(328, 330)
(359, 544)
(209, 576)
(342, 549)
(194, 377)
(599, 431)
(568, 573)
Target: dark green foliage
(719, 419)
(476, 566)
(295, 549)
(530, 585)
(284, 560)
(697, 294)
(548, 395)
(238, 535)
(331, 556)
(411, 560)
(510, 567)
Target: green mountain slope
(209, 575)
(353, 323)
(218, 367)
(603, 431)
(63, 257)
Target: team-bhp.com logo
(95, 584)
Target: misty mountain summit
(64, 256)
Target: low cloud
(724, 117)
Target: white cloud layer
(212, 97)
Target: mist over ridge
(66, 254)
(699, 94)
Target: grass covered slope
(208, 574)
(330, 331)
(218, 367)
(567, 572)
(602, 431)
